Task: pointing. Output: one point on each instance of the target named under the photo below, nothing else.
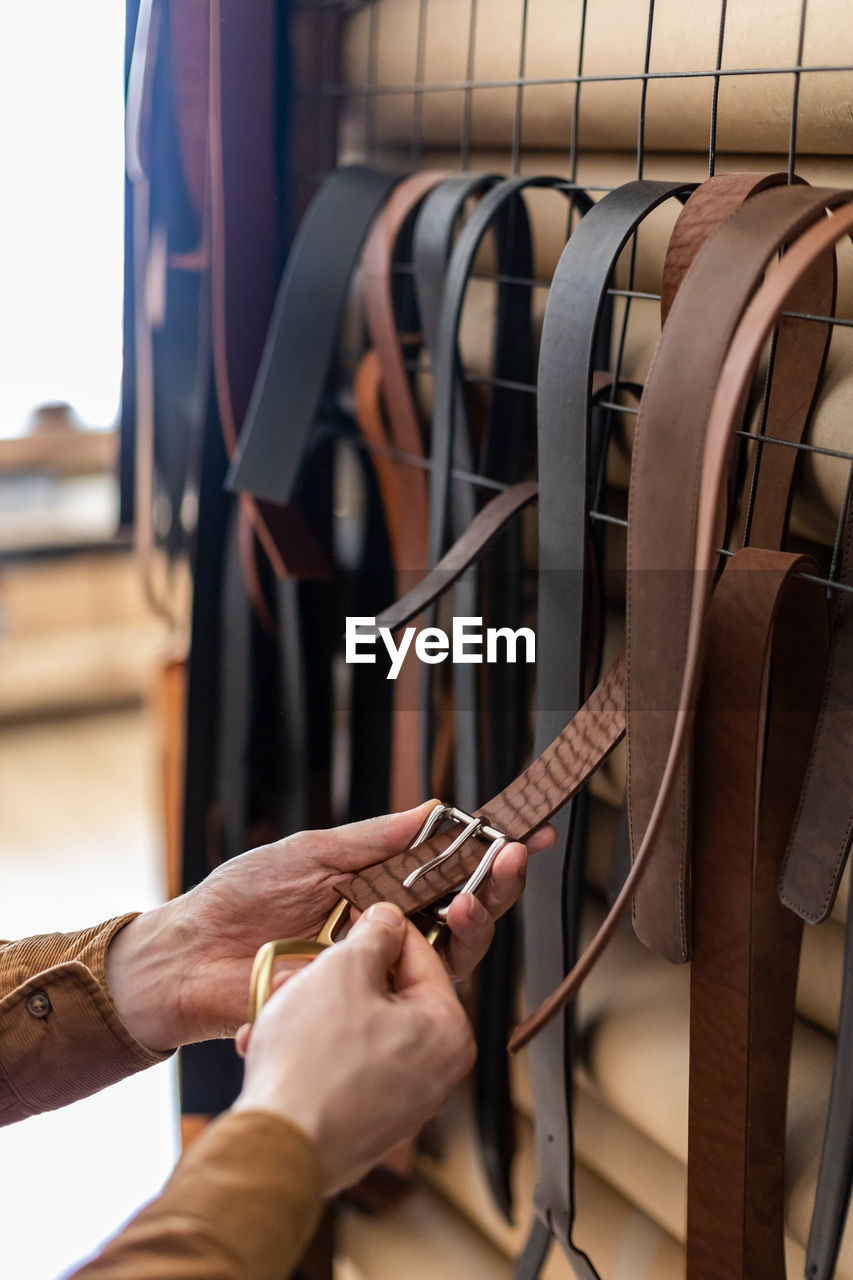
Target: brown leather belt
(767, 630)
(665, 522)
(382, 381)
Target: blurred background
(80, 648)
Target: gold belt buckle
(306, 949)
(263, 968)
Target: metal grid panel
(324, 94)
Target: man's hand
(180, 973)
(361, 1047)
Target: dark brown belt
(767, 630)
(669, 482)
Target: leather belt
(275, 441)
(442, 274)
(570, 453)
(667, 483)
(823, 827)
(767, 629)
(241, 298)
(835, 1174)
(383, 378)
(834, 1178)
(489, 434)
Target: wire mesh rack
(341, 99)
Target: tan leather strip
(665, 517)
(750, 756)
(403, 488)
(410, 520)
(404, 787)
(367, 388)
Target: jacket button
(39, 1005)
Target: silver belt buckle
(471, 826)
(305, 949)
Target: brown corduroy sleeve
(242, 1204)
(61, 1037)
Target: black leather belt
(277, 434)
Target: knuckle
(457, 1028)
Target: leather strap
(823, 828)
(443, 270)
(403, 487)
(406, 503)
(446, 358)
(554, 777)
(485, 705)
(662, 523)
(240, 213)
(797, 362)
(835, 1175)
(296, 360)
(569, 459)
(766, 630)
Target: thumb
(361, 844)
(377, 937)
(420, 967)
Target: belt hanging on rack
(452, 504)
(570, 459)
(277, 434)
(834, 1177)
(483, 754)
(764, 666)
(240, 286)
(382, 381)
(663, 518)
(724, 1237)
(822, 826)
(744, 968)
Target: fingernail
(477, 913)
(385, 912)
